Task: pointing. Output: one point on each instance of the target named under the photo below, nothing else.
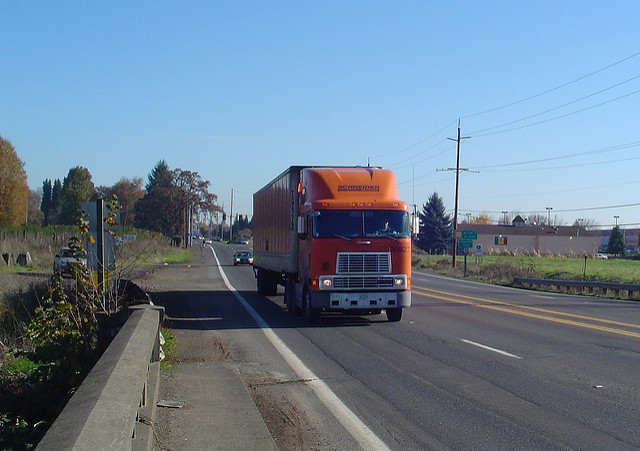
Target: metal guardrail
(632, 290)
(115, 405)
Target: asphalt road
(469, 366)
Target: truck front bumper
(341, 300)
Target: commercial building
(519, 238)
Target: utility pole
(455, 210)
(231, 219)
(100, 249)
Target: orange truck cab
(336, 238)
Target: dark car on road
(243, 258)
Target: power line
(480, 132)
(543, 193)
(400, 166)
(569, 210)
(607, 207)
(566, 166)
(562, 157)
(553, 89)
(559, 117)
(418, 143)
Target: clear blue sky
(239, 91)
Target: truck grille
(352, 282)
(364, 263)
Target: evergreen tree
(616, 244)
(435, 227)
(45, 204)
(56, 202)
(158, 209)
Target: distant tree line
(169, 203)
(61, 201)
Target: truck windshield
(360, 224)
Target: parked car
(64, 260)
(243, 258)
(242, 241)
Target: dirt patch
(285, 420)
(200, 346)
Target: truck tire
(266, 283)
(259, 282)
(290, 296)
(394, 314)
(271, 284)
(312, 314)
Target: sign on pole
(108, 242)
(464, 243)
(470, 235)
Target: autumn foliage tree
(128, 191)
(482, 219)
(14, 191)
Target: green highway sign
(470, 235)
(465, 243)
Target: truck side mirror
(302, 230)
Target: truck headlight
(326, 283)
(398, 281)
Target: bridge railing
(115, 404)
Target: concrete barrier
(115, 405)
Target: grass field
(503, 269)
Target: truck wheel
(394, 314)
(312, 314)
(271, 285)
(290, 296)
(260, 282)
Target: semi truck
(336, 239)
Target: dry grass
(21, 287)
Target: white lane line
(489, 348)
(358, 430)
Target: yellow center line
(516, 309)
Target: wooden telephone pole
(455, 210)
